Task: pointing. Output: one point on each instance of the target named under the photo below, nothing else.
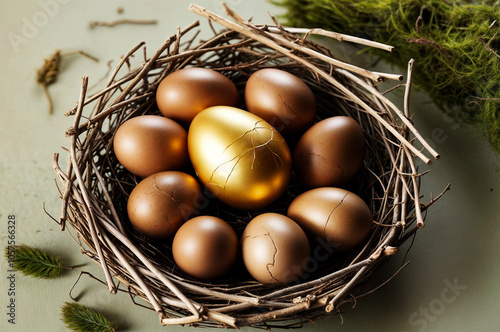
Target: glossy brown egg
(275, 249)
(282, 99)
(186, 92)
(162, 202)
(205, 247)
(149, 144)
(239, 157)
(337, 216)
(330, 153)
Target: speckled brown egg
(205, 247)
(275, 249)
(330, 153)
(282, 99)
(186, 92)
(337, 216)
(149, 144)
(162, 202)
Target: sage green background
(451, 283)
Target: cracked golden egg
(337, 216)
(240, 158)
(275, 249)
(162, 202)
(330, 153)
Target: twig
(49, 72)
(425, 41)
(93, 24)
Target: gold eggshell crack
(239, 157)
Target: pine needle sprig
(80, 318)
(34, 262)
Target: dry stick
(108, 198)
(117, 69)
(65, 191)
(377, 77)
(167, 282)
(286, 312)
(128, 267)
(400, 114)
(418, 210)
(335, 35)
(136, 77)
(215, 294)
(331, 305)
(89, 214)
(416, 198)
(209, 314)
(408, 84)
(137, 278)
(361, 71)
(93, 24)
(245, 31)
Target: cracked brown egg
(240, 158)
(330, 153)
(186, 92)
(205, 247)
(275, 249)
(162, 202)
(282, 99)
(149, 144)
(337, 216)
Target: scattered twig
(93, 24)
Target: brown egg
(337, 216)
(239, 157)
(205, 247)
(186, 92)
(282, 99)
(275, 249)
(149, 144)
(162, 202)
(330, 153)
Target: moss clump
(454, 42)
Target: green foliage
(80, 318)
(34, 262)
(454, 43)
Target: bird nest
(95, 187)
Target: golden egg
(240, 158)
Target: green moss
(453, 65)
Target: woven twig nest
(95, 187)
